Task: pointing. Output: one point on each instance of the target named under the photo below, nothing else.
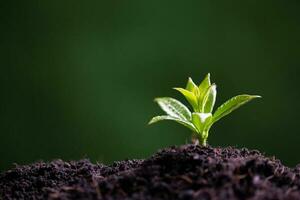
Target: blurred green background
(78, 78)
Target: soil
(185, 172)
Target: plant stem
(199, 140)
(203, 138)
(202, 142)
(195, 139)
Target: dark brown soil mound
(186, 172)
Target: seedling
(202, 99)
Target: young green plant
(202, 99)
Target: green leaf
(180, 121)
(201, 120)
(191, 86)
(174, 108)
(232, 105)
(190, 97)
(209, 99)
(204, 85)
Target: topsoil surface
(185, 172)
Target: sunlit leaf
(191, 86)
(190, 97)
(231, 105)
(180, 121)
(209, 99)
(174, 108)
(204, 85)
